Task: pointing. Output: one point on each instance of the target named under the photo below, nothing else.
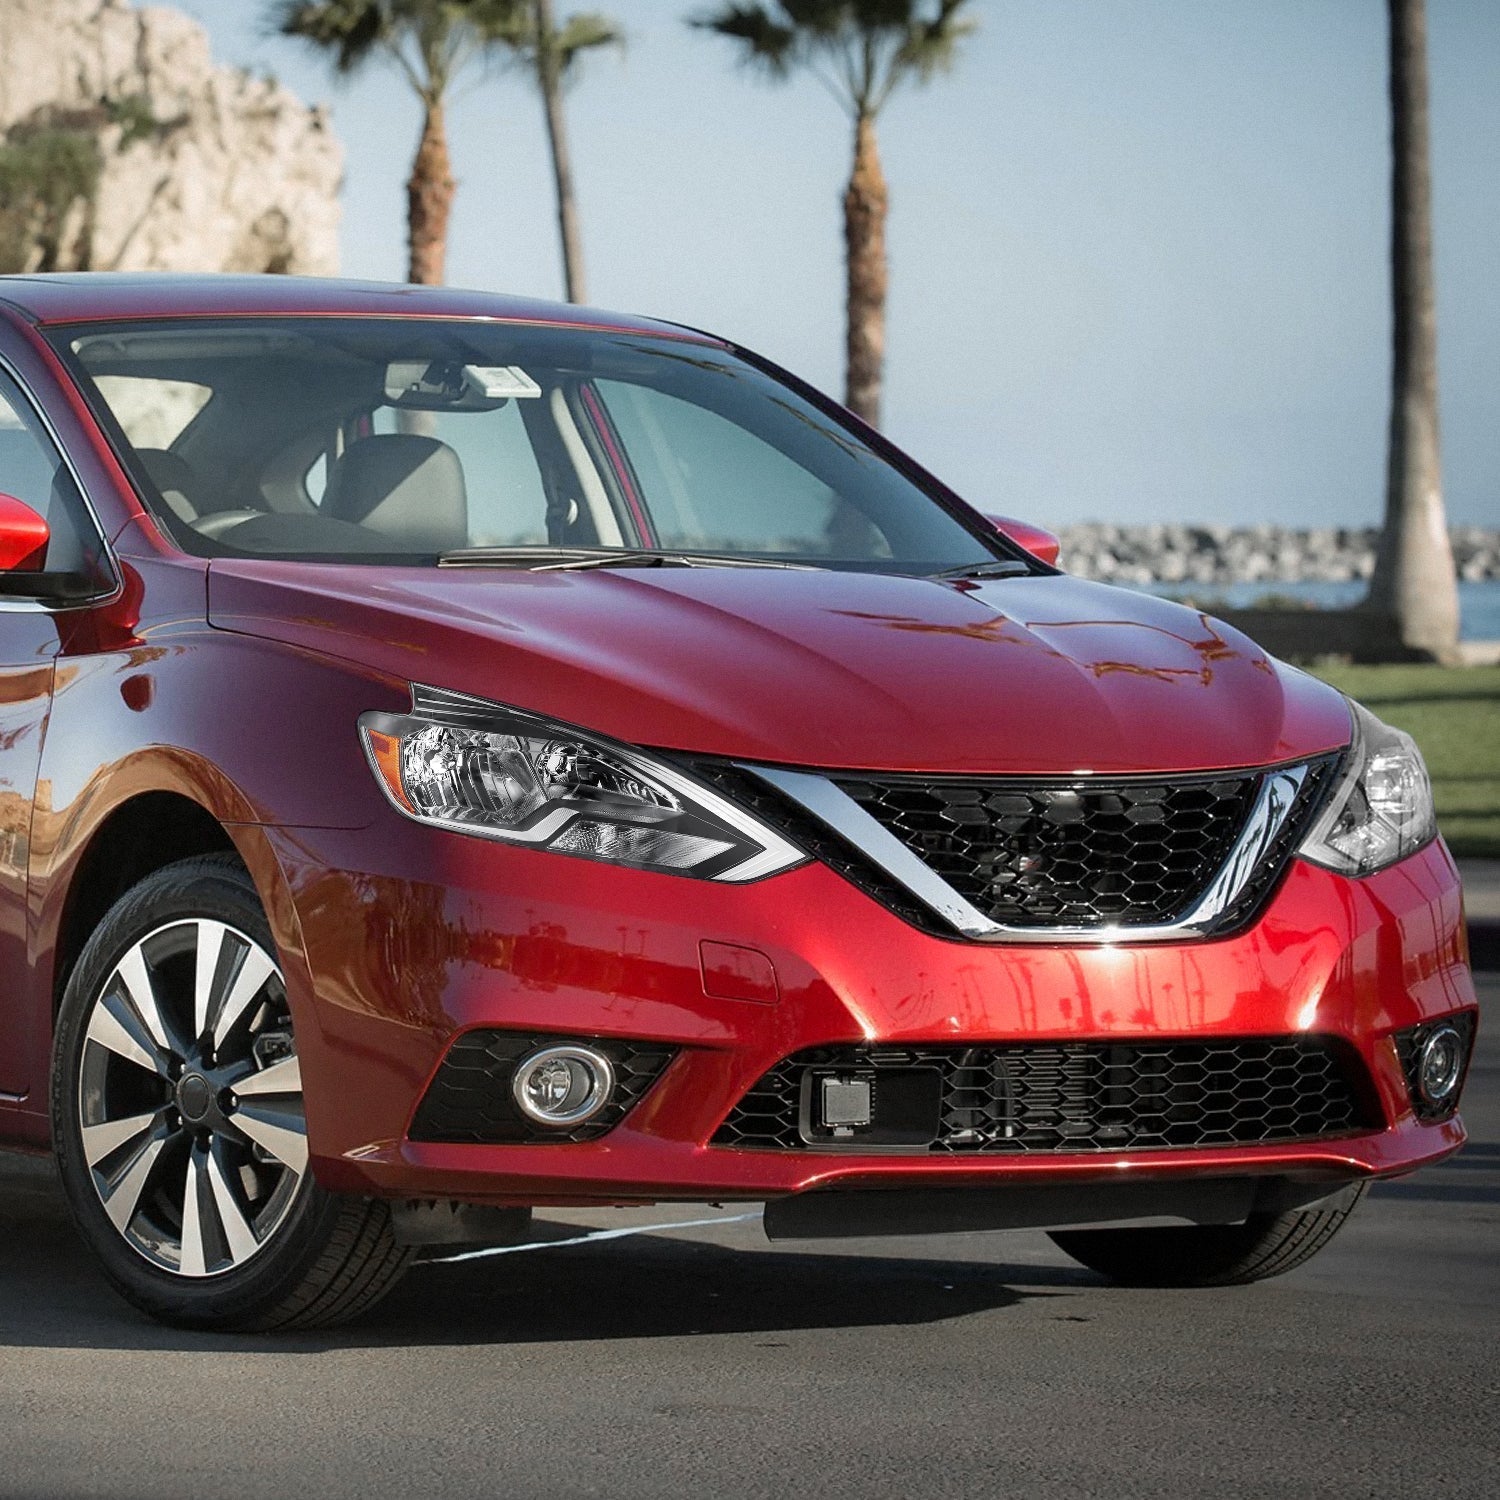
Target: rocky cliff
(124, 147)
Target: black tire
(1211, 1254)
(267, 1248)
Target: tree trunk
(429, 200)
(1414, 578)
(865, 205)
(549, 77)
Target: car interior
(280, 443)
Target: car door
(32, 471)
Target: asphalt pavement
(701, 1361)
(1481, 879)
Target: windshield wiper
(536, 559)
(1000, 567)
(569, 559)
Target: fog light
(1440, 1065)
(563, 1085)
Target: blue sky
(1139, 247)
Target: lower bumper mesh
(1066, 1097)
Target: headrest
(403, 486)
(173, 476)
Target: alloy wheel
(190, 1098)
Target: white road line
(584, 1239)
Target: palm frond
(829, 19)
(860, 50)
(584, 33)
(350, 29)
(511, 21)
(768, 42)
(932, 42)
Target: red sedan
(460, 755)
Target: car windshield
(475, 443)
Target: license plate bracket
(904, 1107)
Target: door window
(32, 471)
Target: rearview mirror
(445, 385)
(1041, 544)
(23, 537)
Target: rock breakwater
(1216, 554)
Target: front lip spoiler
(631, 1166)
(853, 1214)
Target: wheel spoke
(108, 1136)
(211, 937)
(121, 1200)
(256, 969)
(279, 1131)
(194, 1259)
(140, 994)
(194, 1002)
(115, 1026)
(238, 1235)
(284, 1077)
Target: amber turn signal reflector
(385, 754)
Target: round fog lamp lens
(563, 1085)
(551, 1086)
(1439, 1064)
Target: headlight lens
(478, 767)
(1381, 810)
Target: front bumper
(398, 938)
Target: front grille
(1072, 1096)
(469, 1098)
(1083, 853)
(1066, 853)
(808, 833)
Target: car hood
(1031, 675)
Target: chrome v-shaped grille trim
(1277, 795)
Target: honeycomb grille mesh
(1074, 854)
(1081, 1096)
(469, 1098)
(1085, 853)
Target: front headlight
(1381, 810)
(478, 767)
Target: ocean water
(1478, 603)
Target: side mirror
(1042, 545)
(23, 537)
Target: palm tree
(431, 41)
(552, 53)
(1414, 582)
(862, 51)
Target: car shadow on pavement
(647, 1285)
(1473, 1176)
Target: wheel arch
(152, 824)
(135, 839)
